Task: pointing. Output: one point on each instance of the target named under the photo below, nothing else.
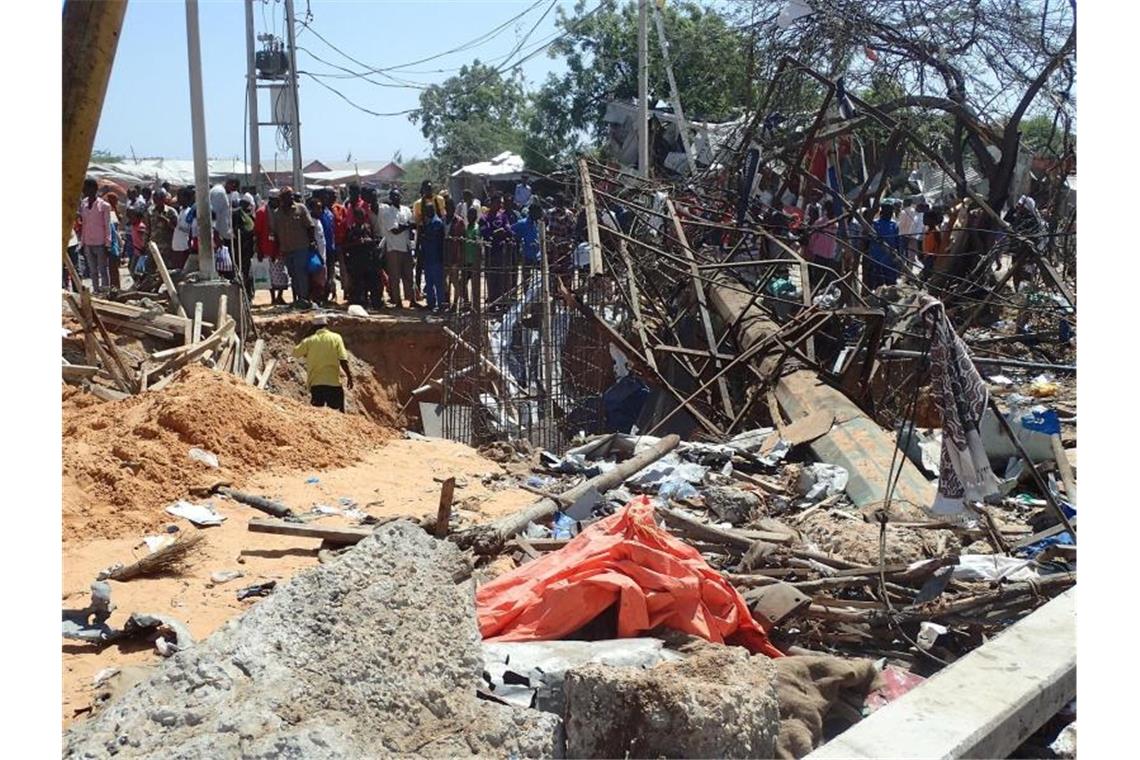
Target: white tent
(505, 167)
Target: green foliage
(1039, 137)
(707, 54)
(472, 116)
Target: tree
(708, 55)
(472, 116)
(983, 64)
(100, 156)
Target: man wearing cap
(325, 356)
(293, 227)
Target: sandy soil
(400, 477)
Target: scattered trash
(325, 509)
(733, 505)
(1064, 747)
(1043, 386)
(895, 683)
(172, 556)
(313, 480)
(225, 576)
(819, 480)
(995, 567)
(199, 514)
(172, 634)
(90, 623)
(257, 589)
(928, 634)
(207, 458)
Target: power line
(352, 103)
(350, 74)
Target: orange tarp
(655, 579)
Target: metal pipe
(251, 83)
(994, 361)
(198, 130)
(642, 88)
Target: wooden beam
(263, 379)
(196, 330)
(199, 350)
(171, 291)
(254, 362)
(702, 305)
(592, 236)
(443, 515)
(339, 536)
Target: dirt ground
(399, 477)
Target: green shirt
(471, 241)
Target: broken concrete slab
(374, 653)
(720, 702)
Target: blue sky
(147, 107)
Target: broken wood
(443, 515)
(337, 536)
(254, 362)
(168, 283)
(196, 329)
(263, 378)
(735, 538)
(489, 539)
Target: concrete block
(720, 702)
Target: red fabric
(265, 246)
(655, 579)
(341, 223)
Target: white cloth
(391, 217)
(320, 238)
(220, 208)
(910, 225)
(522, 195)
(182, 233)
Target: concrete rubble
(719, 702)
(376, 652)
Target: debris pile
(375, 652)
(124, 460)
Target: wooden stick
(734, 538)
(489, 539)
(1064, 467)
(339, 536)
(254, 362)
(702, 304)
(117, 362)
(196, 330)
(171, 291)
(263, 379)
(592, 236)
(443, 515)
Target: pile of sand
(124, 461)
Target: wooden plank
(254, 362)
(117, 363)
(78, 371)
(140, 328)
(1065, 468)
(635, 304)
(593, 239)
(263, 379)
(168, 283)
(196, 331)
(339, 536)
(108, 394)
(734, 538)
(984, 704)
(702, 304)
(199, 350)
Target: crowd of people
(440, 253)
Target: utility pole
(643, 87)
(251, 83)
(198, 129)
(295, 127)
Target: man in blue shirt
(431, 249)
(526, 230)
(886, 250)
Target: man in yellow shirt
(325, 356)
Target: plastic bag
(140, 264)
(259, 273)
(315, 263)
(222, 260)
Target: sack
(259, 273)
(315, 263)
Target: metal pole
(295, 127)
(682, 125)
(251, 83)
(198, 129)
(547, 341)
(643, 88)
